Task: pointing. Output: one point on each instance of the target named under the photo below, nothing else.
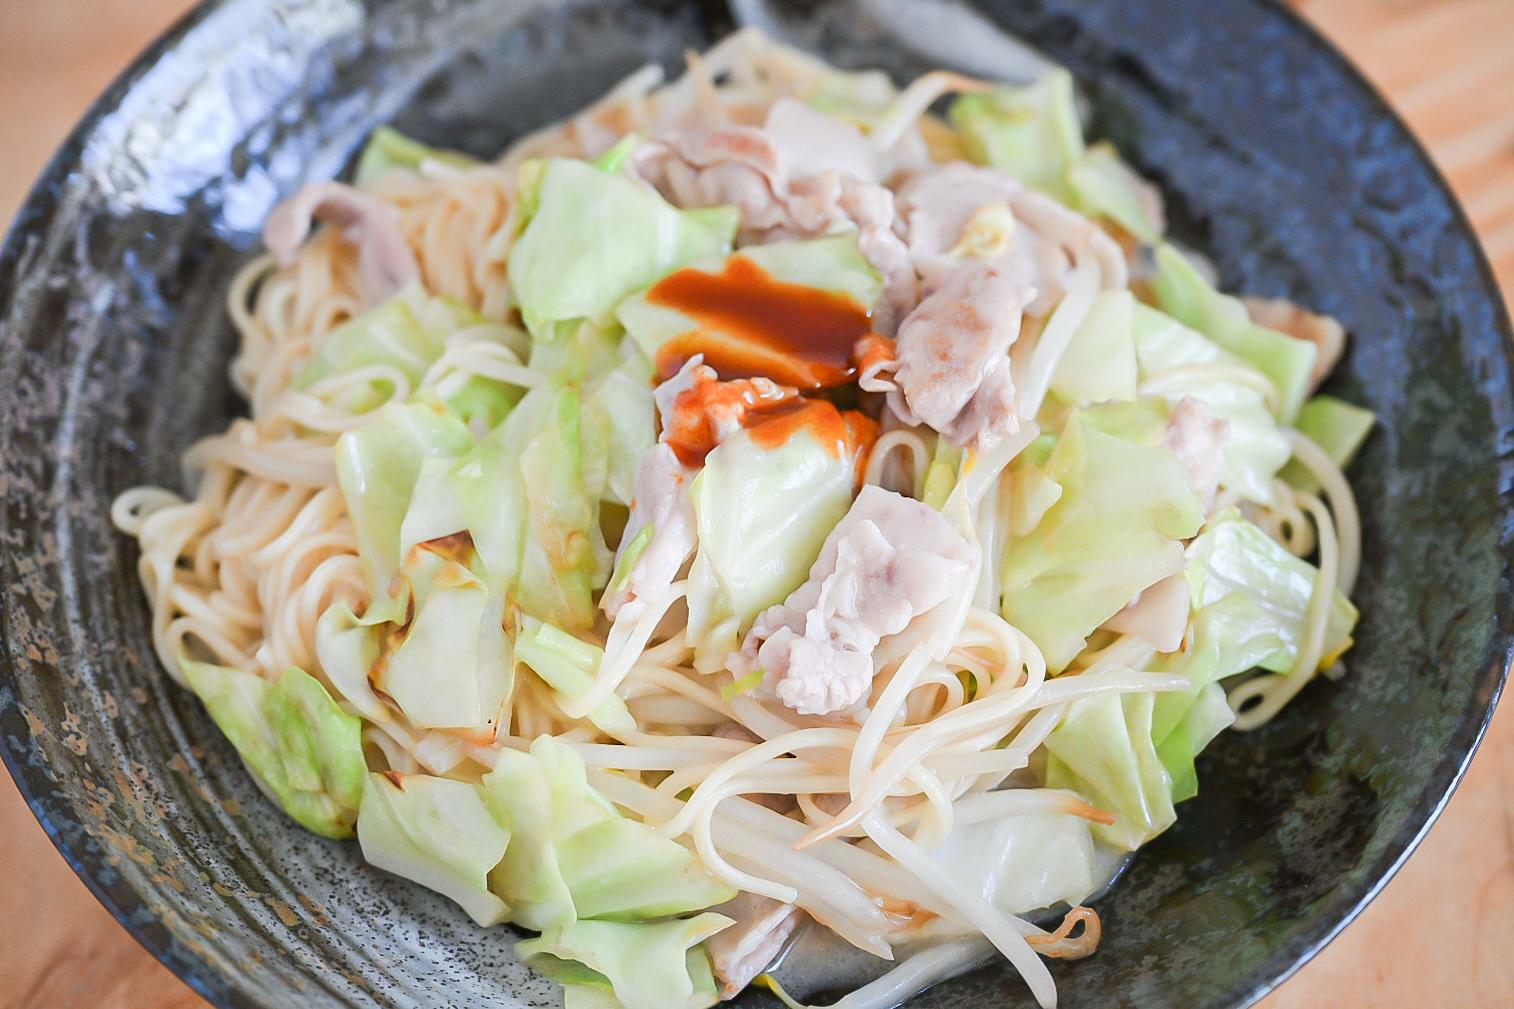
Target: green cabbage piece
(1256, 447)
(453, 668)
(1115, 529)
(579, 350)
(596, 237)
(568, 664)
(762, 515)
(833, 263)
(1249, 597)
(646, 966)
(1183, 293)
(1334, 425)
(436, 832)
(389, 149)
(1031, 132)
(1099, 364)
(532, 515)
(407, 332)
(1104, 186)
(347, 647)
(1229, 636)
(304, 749)
(1142, 420)
(854, 96)
(614, 159)
(1233, 555)
(941, 474)
(1208, 716)
(619, 427)
(574, 856)
(377, 465)
(1103, 750)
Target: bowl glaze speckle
(1278, 161)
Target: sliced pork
(1198, 439)
(745, 167)
(385, 262)
(890, 562)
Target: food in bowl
(755, 508)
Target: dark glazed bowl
(1278, 160)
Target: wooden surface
(1439, 936)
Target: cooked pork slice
(779, 198)
(889, 562)
(1198, 438)
(1159, 615)
(953, 354)
(741, 951)
(385, 262)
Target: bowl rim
(1339, 910)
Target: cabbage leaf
(1256, 447)
(1031, 132)
(1114, 529)
(436, 832)
(1183, 293)
(294, 738)
(574, 856)
(762, 514)
(1099, 364)
(596, 237)
(407, 333)
(646, 965)
(1337, 427)
(388, 149)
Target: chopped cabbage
(1233, 555)
(1104, 186)
(436, 832)
(1099, 364)
(1031, 132)
(1339, 428)
(1025, 862)
(407, 333)
(1114, 529)
(567, 665)
(1103, 750)
(377, 465)
(1182, 292)
(762, 515)
(646, 966)
(1256, 447)
(389, 149)
(574, 856)
(596, 237)
(305, 750)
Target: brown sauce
(748, 323)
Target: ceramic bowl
(1277, 160)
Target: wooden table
(1439, 936)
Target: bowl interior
(1276, 159)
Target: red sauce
(769, 412)
(750, 323)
